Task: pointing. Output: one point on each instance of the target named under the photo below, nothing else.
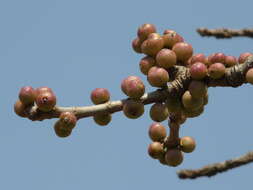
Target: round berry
(100, 96)
(216, 70)
(242, 58)
(230, 61)
(144, 30)
(197, 89)
(190, 102)
(27, 95)
(19, 109)
(133, 109)
(170, 38)
(183, 51)
(61, 130)
(146, 63)
(166, 58)
(218, 58)
(152, 45)
(102, 119)
(136, 45)
(174, 157)
(68, 119)
(157, 132)
(198, 70)
(158, 77)
(155, 150)
(45, 101)
(159, 112)
(187, 144)
(133, 87)
(200, 57)
(249, 76)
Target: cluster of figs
(162, 54)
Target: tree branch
(225, 33)
(213, 169)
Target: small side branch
(213, 169)
(225, 33)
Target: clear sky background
(76, 46)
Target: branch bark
(213, 169)
(226, 33)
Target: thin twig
(226, 33)
(213, 169)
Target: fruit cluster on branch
(181, 77)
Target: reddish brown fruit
(152, 45)
(230, 61)
(159, 112)
(200, 57)
(216, 70)
(146, 63)
(68, 119)
(133, 87)
(191, 103)
(133, 109)
(183, 51)
(102, 119)
(242, 58)
(249, 76)
(198, 70)
(197, 89)
(170, 38)
(144, 31)
(157, 77)
(187, 144)
(157, 132)
(27, 95)
(42, 89)
(136, 45)
(61, 130)
(218, 58)
(19, 109)
(166, 58)
(155, 150)
(45, 101)
(174, 157)
(100, 96)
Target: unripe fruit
(159, 112)
(190, 113)
(19, 109)
(174, 157)
(191, 103)
(100, 96)
(198, 70)
(197, 89)
(133, 87)
(187, 144)
(183, 51)
(157, 132)
(102, 119)
(173, 104)
(155, 150)
(216, 70)
(68, 119)
(170, 38)
(27, 95)
(158, 77)
(152, 45)
(200, 57)
(133, 109)
(230, 61)
(242, 58)
(249, 76)
(60, 130)
(146, 63)
(166, 58)
(136, 45)
(144, 30)
(45, 101)
(218, 58)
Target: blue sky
(76, 46)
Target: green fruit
(157, 132)
(133, 108)
(159, 112)
(174, 157)
(193, 113)
(187, 144)
(102, 119)
(173, 104)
